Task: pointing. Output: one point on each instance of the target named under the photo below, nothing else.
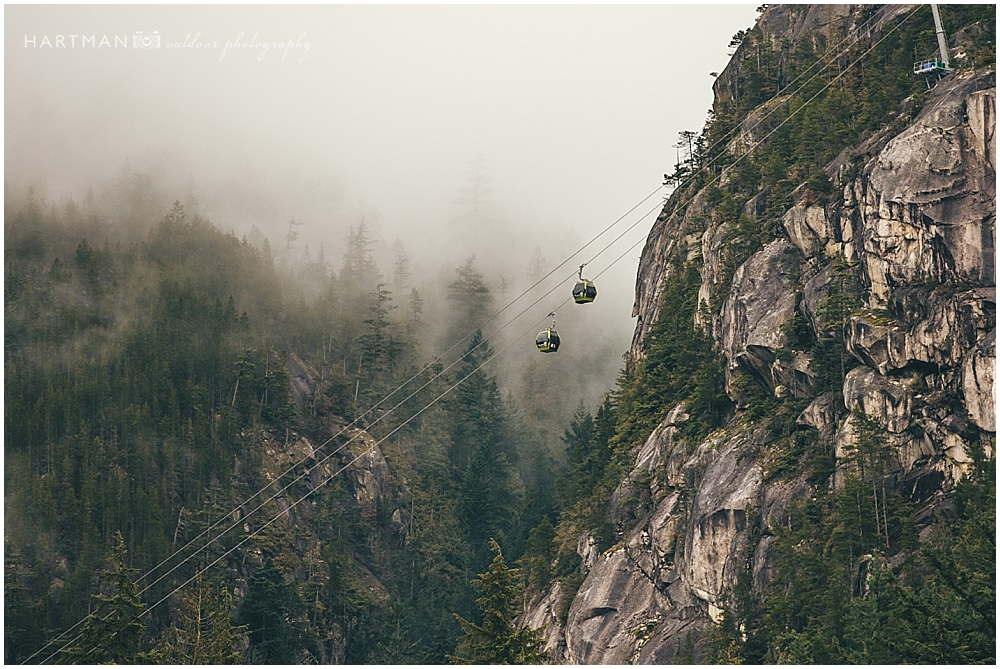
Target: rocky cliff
(910, 221)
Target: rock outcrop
(951, 326)
(928, 200)
(669, 233)
(641, 598)
(760, 306)
(913, 216)
(979, 383)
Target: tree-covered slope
(185, 386)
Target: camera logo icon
(141, 41)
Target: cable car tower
(935, 69)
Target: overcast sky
(381, 111)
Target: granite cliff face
(913, 215)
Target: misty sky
(570, 112)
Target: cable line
(819, 92)
(751, 149)
(377, 420)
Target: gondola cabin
(584, 292)
(547, 341)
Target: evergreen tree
(265, 612)
(437, 582)
(470, 298)
(498, 640)
(395, 645)
(831, 361)
(491, 497)
(949, 614)
(539, 551)
(583, 466)
(483, 449)
(868, 454)
(415, 308)
(379, 346)
(680, 364)
(203, 633)
(359, 272)
(112, 634)
(477, 410)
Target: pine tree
(477, 409)
(416, 307)
(438, 581)
(359, 272)
(469, 295)
(491, 498)
(204, 633)
(583, 466)
(831, 361)
(483, 450)
(112, 634)
(265, 613)
(498, 640)
(869, 453)
(378, 344)
(395, 645)
(539, 551)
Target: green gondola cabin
(584, 292)
(547, 340)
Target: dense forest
(164, 382)
(147, 388)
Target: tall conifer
(498, 640)
(112, 634)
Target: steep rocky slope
(912, 221)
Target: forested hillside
(154, 386)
